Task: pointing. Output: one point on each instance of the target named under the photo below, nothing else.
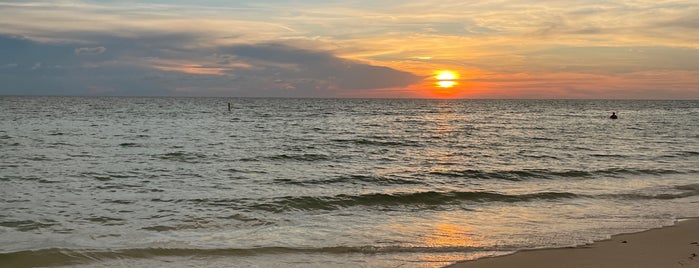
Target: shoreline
(671, 246)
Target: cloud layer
(509, 48)
(131, 68)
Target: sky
(593, 49)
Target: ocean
(184, 182)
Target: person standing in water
(613, 116)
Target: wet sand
(674, 246)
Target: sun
(446, 75)
(446, 79)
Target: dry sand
(670, 247)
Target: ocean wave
(636, 171)
(683, 191)
(413, 200)
(374, 200)
(689, 187)
(419, 199)
(682, 154)
(289, 157)
(352, 179)
(27, 225)
(520, 175)
(130, 144)
(379, 142)
(68, 256)
(650, 196)
(181, 156)
(300, 157)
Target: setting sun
(446, 79)
(446, 75)
(446, 83)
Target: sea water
(183, 182)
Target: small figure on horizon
(613, 116)
(229, 106)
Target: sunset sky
(624, 49)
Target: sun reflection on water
(451, 235)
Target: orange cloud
(191, 67)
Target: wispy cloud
(90, 50)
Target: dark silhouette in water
(229, 106)
(613, 116)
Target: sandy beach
(674, 246)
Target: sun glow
(446, 75)
(446, 84)
(446, 79)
